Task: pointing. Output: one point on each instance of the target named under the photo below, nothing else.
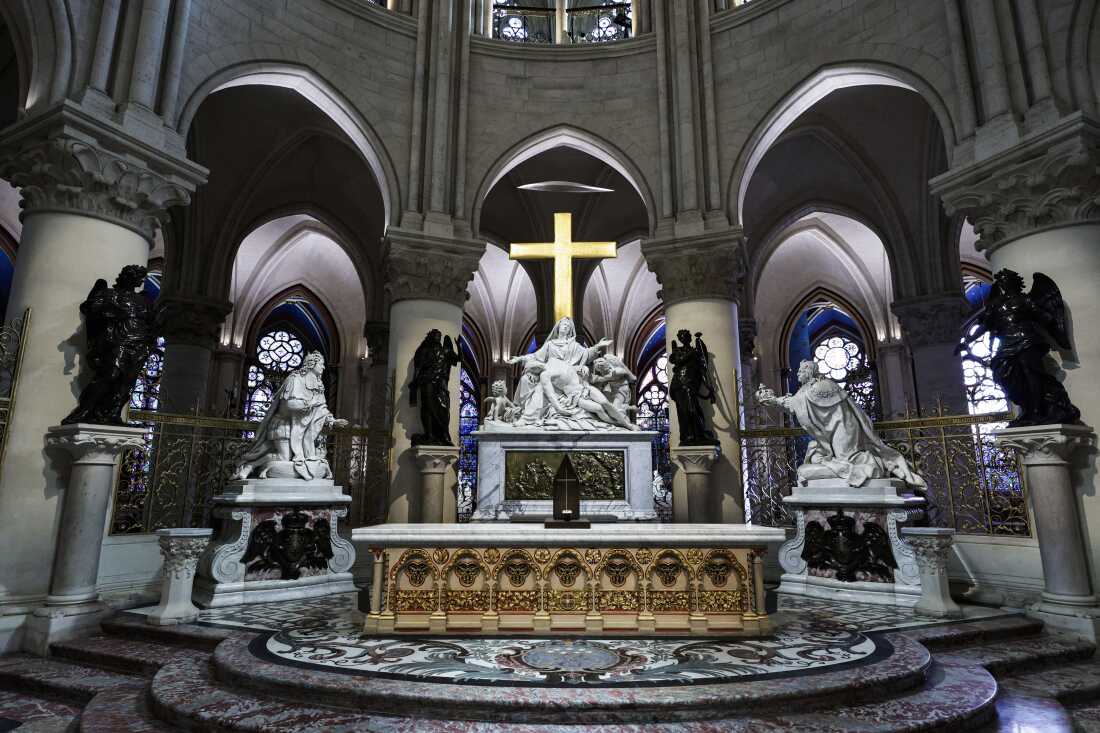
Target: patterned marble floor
(812, 635)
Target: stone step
(192, 636)
(53, 678)
(129, 656)
(1020, 655)
(1069, 684)
(970, 633)
(37, 713)
(125, 709)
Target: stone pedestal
(880, 502)
(181, 549)
(496, 488)
(695, 461)
(932, 546)
(72, 606)
(433, 462)
(277, 540)
(1068, 602)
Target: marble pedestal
(695, 461)
(880, 501)
(181, 548)
(1068, 602)
(433, 462)
(252, 515)
(932, 547)
(493, 448)
(73, 607)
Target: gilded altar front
(567, 588)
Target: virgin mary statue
(554, 391)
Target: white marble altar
(494, 444)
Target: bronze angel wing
(704, 361)
(1047, 299)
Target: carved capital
(708, 266)
(377, 334)
(95, 444)
(1045, 444)
(934, 319)
(1050, 181)
(181, 550)
(194, 321)
(692, 459)
(64, 161)
(434, 458)
(931, 547)
(419, 266)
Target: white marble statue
(844, 444)
(610, 374)
(498, 408)
(555, 391)
(289, 442)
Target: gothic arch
(1083, 56)
(313, 87)
(781, 348)
(570, 137)
(42, 33)
(256, 322)
(808, 93)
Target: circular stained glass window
(837, 357)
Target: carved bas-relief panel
(568, 589)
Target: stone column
(379, 406)
(181, 548)
(1046, 451)
(426, 279)
(72, 606)
(1034, 208)
(895, 373)
(192, 329)
(434, 462)
(700, 279)
(932, 546)
(89, 209)
(228, 389)
(931, 326)
(696, 505)
(747, 371)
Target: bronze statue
(689, 384)
(121, 332)
(432, 364)
(1026, 324)
(850, 554)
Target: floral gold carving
(542, 555)
(592, 556)
(440, 555)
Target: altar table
(491, 578)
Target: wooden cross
(562, 250)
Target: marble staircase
(987, 675)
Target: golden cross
(562, 250)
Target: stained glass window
(469, 413)
(652, 414)
(277, 352)
(609, 20)
(522, 22)
(840, 358)
(983, 395)
(146, 392)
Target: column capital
(434, 459)
(931, 319)
(710, 265)
(422, 266)
(67, 161)
(181, 549)
(695, 459)
(377, 334)
(193, 320)
(95, 444)
(931, 546)
(1045, 444)
(1048, 180)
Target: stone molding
(707, 266)
(434, 458)
(1047, 181)
(1045, 444)
(930, 546)
(420, 266)
(931, 320)
(181, 550)
(65, 161)
(194, 321)
(695, 459)
(95, 444)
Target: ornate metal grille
(519, 23)
(977, 488)
(600, 22)
(469, 413)
(13, 337)
(188, 459)
(652, 414)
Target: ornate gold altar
(567, 586)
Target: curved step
(121, 710)
(128, 656)
(41, 712)
(1021, 655)
(57, 679)
(235, 666)
(1069, 684)
(970, 633)
(192, 636)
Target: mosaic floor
(812, 636)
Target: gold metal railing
(977, 488)
(188, 459)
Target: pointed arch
(816, 294)
(568, 137)
(315, 89)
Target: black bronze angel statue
(432, 364)
(1027, 325)
(691, 383)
